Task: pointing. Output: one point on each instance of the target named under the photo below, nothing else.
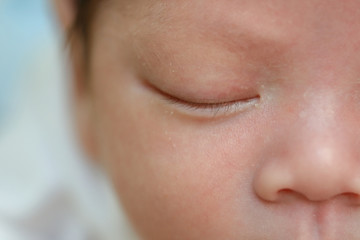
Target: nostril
(352, 198)
(350, 195)
(285, 191)
(288, 194)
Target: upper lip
(334, 219)
(330, 216)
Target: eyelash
(214, 109)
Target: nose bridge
(314, 155)
(321, 110)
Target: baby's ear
(65, 10)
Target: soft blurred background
(48, 190)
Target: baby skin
(227, 119)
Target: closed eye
(208, 108)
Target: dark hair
(81, 26)
(85, 10)
(83, 17)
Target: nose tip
(315, 182)
(318, 159)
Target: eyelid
(207, 108)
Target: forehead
(315, 13)
(237, 21)
(200, 38)
(319, 24)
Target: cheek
(172, 173)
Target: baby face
(231, 119)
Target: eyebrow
(238, 33)
(245, 45)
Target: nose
(316, 157)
